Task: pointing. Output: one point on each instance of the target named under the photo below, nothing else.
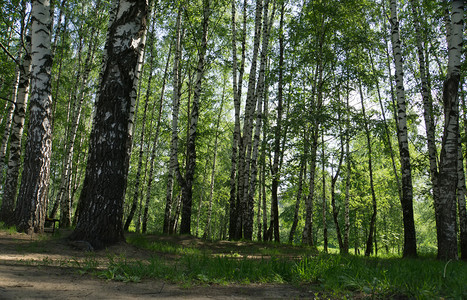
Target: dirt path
(32, 267)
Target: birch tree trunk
(31, 206)
(461, 191)
(324, 206)
(335, 210)
(302, 168)
(142, 137)
(446, 208)
(185, 224)
(208, 232)
(102, 198)
(410, 242)
(372, 229)
(278, 133)
(154, 146)
(8, 120)
(427, 102)
(245, 141)
(14, 161)
(175, 110)
(237, 92)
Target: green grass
(421, 278)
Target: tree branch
(8, 53)
(8, 100)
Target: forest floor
(42, 267)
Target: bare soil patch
(41, 267)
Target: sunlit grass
(421, 278)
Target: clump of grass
(8, 229)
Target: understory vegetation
(245, 262)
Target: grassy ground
(190, 261)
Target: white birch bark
(245, 141)
(102, 197)
(14, 161)
(31, 206)
(8, 120)
(175, 110)
(187, 190)
(410, 246)
(446, 208)
(154, 146)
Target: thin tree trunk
(154, 145)
(185, 224)
(143, 128)
(245, 141)
(14, 161)
(302, 171)
(7, 129)
(324, 206)
(427, 103)
(446, 208)
(369, 242)
(208, 231)
(31, 206)
(237, 91)
(278, 133)
(175, 109)
(410, 242)
(335, 210)
(102, 197)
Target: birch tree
(102, 198)
(31, 206)
(410, 245)
(446, 208)
(14, 161)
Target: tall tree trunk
(143, 128)
(8, 120)
(237, 91)
(307, 235)
(461, 191)
(335, 210)
(208, 231)
(245, 141)
(372, 229)
(31, 206)
(175, 109)
(427, 103)
(302, 171)
(347, 186)
(154, 145)
(64, 197)
(102, 198)
(278, 132)
(446, 208)
(324, 206)
(410, 242)
(185, 224)
(252, 151)
(14, 161)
